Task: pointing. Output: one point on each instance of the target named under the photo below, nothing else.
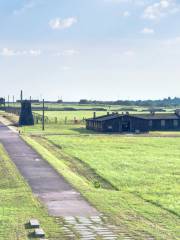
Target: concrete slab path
(52, 189)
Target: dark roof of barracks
(164, 116)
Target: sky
(97, 49)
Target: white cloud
(117, 1)
(59, 23)
(135, 2)
(148, 31)
(28, 5)
(7, 52)
(68, 53)
(65, 68)
(173, 41)
(129, 53)
(161, 8)
(126, 14)
(34, 52)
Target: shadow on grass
(82, 130)
(85, 131)
(27, 226)
(31, 235)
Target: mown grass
(83, 106)
(57, 124)
(148, 167)
(60, 129)
(80, 129)
(144, 170)
(71, 115)
(18, 205)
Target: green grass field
(70, 116)
(62, 122)
(139, 178)
(147, 167)
(78, 106)
(139, 175)
(18, 205)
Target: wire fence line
(38, 118)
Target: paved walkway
(52, 189)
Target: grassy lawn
(80, 129)
(147, 167)
(84, 106)
(139, 175)
(18, 205)
(61, 129)
(139, 178)
(71, 115)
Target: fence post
(43, 117)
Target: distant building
(35, 101)
(32, 101)
(60, 101)
(136, 123)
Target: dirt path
(52, 189)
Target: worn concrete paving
(52, 189)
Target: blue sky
(98, 49)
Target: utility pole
(43, 117)
(21, 97)
(8, 101)
(13, 100)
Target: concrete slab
(34, 223)
(39, 232)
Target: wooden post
(43, 117)
(65, 121)
(8, 101)
(21, 96)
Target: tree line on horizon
(166, 102)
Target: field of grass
(55, 129)
(139, 178)
(139, 175)
(18, 205)
(71, 115)
(80, 129)
(63, 122)
(147, 167)
(78, 106)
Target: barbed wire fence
(38, 118)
